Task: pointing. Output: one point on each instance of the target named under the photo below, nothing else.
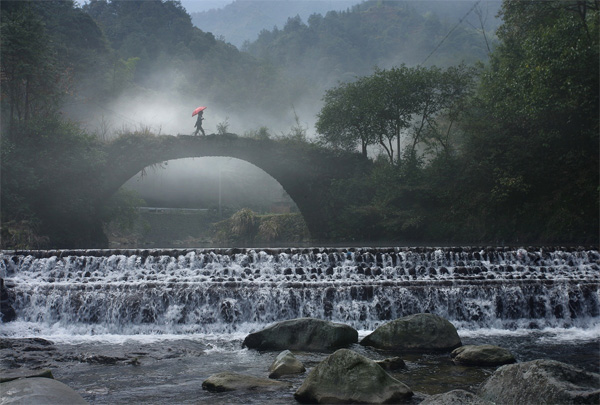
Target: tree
(444, 103)
(533, 130)
(347, 118)
(49, 51)
(401, 92)
(30, 82)
(390, 105)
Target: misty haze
(299, 201)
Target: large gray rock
(233, 382)
(419, 332)
(285, 363)
(347, 377)
(482, 355)
(38, 390)
(541, 382)
(304, 334)
(456, 397)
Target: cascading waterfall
(221, 291)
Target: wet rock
(9, 375)
(455, 397)
(482, 355)
(27, 344)
(306, 334)
(234, 382)
(542, 381)
(32, 353)
(101, 359)
(419, 332)
(38, 390)
(7, 299)
(285, 363)
(347, 377)
(391, 363)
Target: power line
(451, 31)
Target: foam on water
(546, 335)
(77, 334)
(202, 292)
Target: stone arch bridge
(305, 171)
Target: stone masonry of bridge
(305, 171)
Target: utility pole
(220, 163)
(220, 217)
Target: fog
(193, 183)
(207, 182)
(167, 110)
(162, 105)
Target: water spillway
(229, 290)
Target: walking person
(198, 125)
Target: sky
(194, 6)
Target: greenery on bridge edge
(521, 164)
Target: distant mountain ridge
(243, 20)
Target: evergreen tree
(30, 78)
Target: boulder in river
(542, 381)
(233, 382)
(305, 334)
(347, 377)
(455, 397)
(285, 363)
(38, 390)
(482, 355)
(418, 332)
(391, 364)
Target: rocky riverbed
(171, 369)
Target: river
(149, 326)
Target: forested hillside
(342, 45)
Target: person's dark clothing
(199, 124)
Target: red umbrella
(197, 110)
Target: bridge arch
(212, 182)
(305, 171)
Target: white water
(154, 293)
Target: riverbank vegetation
(245, 227)
(174, 228)
(504, 150)
(519, 164)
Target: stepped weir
(238, 290)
